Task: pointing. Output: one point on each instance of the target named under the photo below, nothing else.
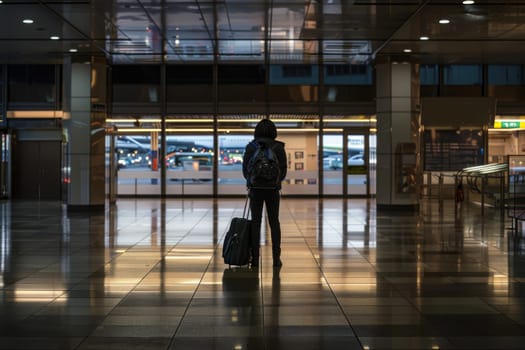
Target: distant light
(28, 21)
(424, 38)
(407, 50)
(444, 21)
(73, 50)
(468, 2)
(54, 37)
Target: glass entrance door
(4, 165)
(111, 167)
(356, 152)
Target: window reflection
(189, 156)
(231, 152)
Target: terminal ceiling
(251, 31)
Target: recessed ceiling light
(424, 38)
(28, 21)
(73, 50)
(468, 2)
(444, 21)
(54, 37)
(407, 50)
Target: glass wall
(3, 120)
(360, 165)
(136, 83)
(462, 80)
(189, 156)
(201, 161)
(332, 164)
(33, 86)
(297, 83)
(302, 154)
(5, 142)
(506, 82)
(189, 83)
(300, 139)
(239, 83)
(506, 74)
(232, 144)
(138, 173)
(344, 83)
(352, 138)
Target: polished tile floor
(148, 274)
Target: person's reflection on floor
(272, 306)
(242, 299)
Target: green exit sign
(510, 125)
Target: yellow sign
(507, 124)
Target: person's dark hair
(265, 129)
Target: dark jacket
(279, 152)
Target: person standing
(265, 134)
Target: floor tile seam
(7, 287)
(85, 338)
(131, 291)
(471, 241)
(176, 242)
(428, 318)
(216, 251)
(153, 266)
(504, 314)
(337, 302)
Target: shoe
(276, 253)
(255, 261)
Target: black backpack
(263, 167)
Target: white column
(398, 122)
(84, 100)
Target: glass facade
(506, 75)
(33, 86)
(162, 150)
(197, 159)
(136, 83)
(463, 74)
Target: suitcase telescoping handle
(246, 211)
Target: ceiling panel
(298, 31)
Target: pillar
(85, 106)
(398, 123)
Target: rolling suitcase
(236, 245)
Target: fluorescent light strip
(205, 130)
(503, 130)
(111, 120)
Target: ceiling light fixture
(28, 21)
(444, 21)
(73, 50)
(54, 37)
(468, 2)
(424, 38)
(407, 50)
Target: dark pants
(270, 198)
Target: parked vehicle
(336, 162)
